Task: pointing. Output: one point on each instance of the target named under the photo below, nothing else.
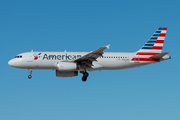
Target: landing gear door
(30, 57)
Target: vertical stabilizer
(152, 47)
(155, 43)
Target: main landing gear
(85, 75)
(30, 76)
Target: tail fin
(155, 43)
(152, 47)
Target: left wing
(92, 56)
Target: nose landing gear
(85, 75)
(30, 76)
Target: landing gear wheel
(85, 75)
(84, 79)
(29, 76)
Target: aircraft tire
(84, 79)
(86, 74)
(29, 76)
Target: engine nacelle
(66, 73)
(66, 66)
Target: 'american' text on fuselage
(60, 57)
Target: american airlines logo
(61, 57)
(36, 56)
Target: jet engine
(66, 73)
(66, 66)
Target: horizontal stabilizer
(159, 56)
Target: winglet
(108, 46)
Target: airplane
(68, 64)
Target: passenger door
(30, 57)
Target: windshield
(18, 56)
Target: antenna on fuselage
(31, 50)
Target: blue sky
(144, 93)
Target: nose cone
(11, 63)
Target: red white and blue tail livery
(152, 47)
(69, 64)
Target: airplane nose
(11, 63)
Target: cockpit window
(18, 56)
